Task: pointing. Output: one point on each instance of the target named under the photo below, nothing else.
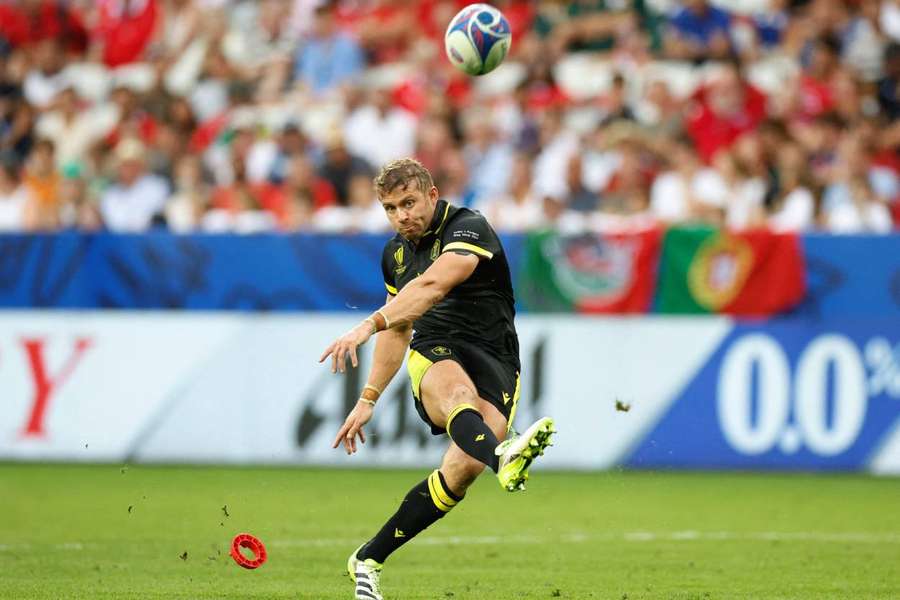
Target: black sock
(468, 430)
(427, 502)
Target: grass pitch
(150, 532)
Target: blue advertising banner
(787, 394)
(164, 271)
(851, 276)
(847, 276)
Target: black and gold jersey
(480, 310)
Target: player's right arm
(390, 348)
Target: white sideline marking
(631, 536)
(851, 537)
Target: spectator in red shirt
(125, 29)
(816, 94)
(25, 23)
(727, 107)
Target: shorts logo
(436, 249)
(506, 398)
(441, 351)
(479, 437)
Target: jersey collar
(441, 210)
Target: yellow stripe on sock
(433, 487)
(442, 492)
(459, 408)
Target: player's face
(410, 210)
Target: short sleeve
(470, 233)
(390, 283)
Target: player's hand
(353, 426)
(346, 345)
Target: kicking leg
(451, 401)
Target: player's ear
(433, 194)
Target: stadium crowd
(249, 116)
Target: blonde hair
(399, 173)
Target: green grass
(66, 532)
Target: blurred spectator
(301, 179)
(290, 143)
(889, 85)
(185, 207)
(794, 208)
(42, 182)
(256, 114)
(16, 126)
(134, 120)
(363, 211)
(329, 58)
(519, 209)
(136, 197)
(385, 28)
(340, 166)
(740, 192)
(725, 108)
(488, 156)
(28, 22)
(125, 28)
(857, 199)
(74, 128)
(46, 78)
(378, 131)
(578, 198)
(627, 192)
(259, 43)
(699, 30)
(298, 212)
(687, 191)
(660, 111)
(77, 209)
(815, 95)
(13, 199)
(889, 19)
(244, 206)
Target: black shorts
(496, 378)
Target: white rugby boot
(518, 452)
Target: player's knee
(462, 394)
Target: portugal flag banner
(756, 273)
(590, 273)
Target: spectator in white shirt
(137, 197)
(856, 200)
(688, 191)
(378, 131)
(794, 208)
(519, 209)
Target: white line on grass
(851, 537)
(630, 536)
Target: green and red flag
(753, 273)
(590, 273)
